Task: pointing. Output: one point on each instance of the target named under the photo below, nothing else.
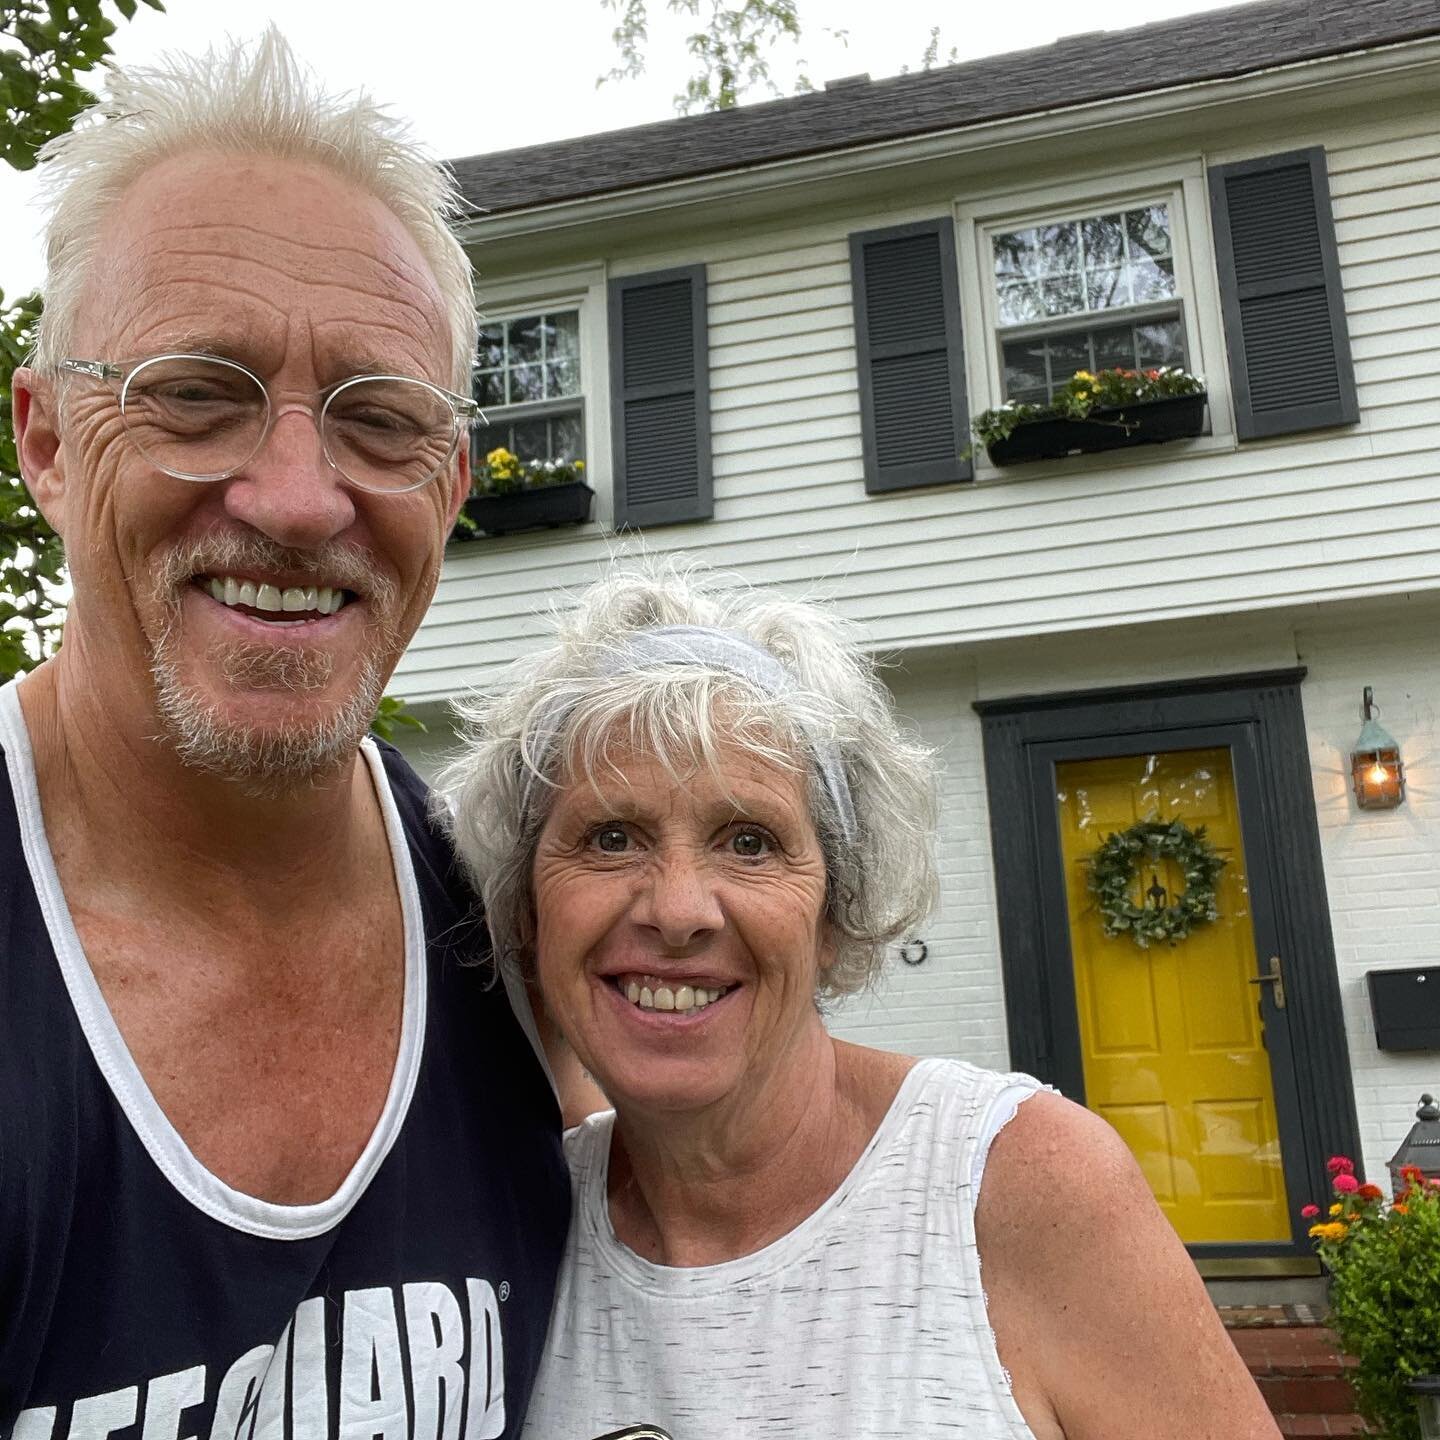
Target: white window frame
(581, 289)
(1181, 188)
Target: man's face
(307, 281)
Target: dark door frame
(1261, 716)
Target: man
(276, 1156)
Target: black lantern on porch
(1376, 768)
(1421, 1147)
(1426, 1390)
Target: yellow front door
(1171, 1037)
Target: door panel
(1172, 1042)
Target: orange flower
(1370, 1192)
(1400, 1208)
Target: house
(765, 331)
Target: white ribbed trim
(206, 1191)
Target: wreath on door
(1115, 865)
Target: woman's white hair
(560, 717)
(240, 99)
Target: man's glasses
(198, 417)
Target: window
(1093, 292)
(527, 381)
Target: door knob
(1275, 977)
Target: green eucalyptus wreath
(1112, 873)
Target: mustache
(336, 563)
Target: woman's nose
(679, 900)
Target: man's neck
(124, 805)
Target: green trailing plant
(1120, 861)
(1084, 394)
(1384, 1264)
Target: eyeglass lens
(200, 419)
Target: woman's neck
(689, 1190)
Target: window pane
(1152, 279)
(1104, 241)
(1019, 303)
(1148, 230)
(565, 338)
(562, 377)
(1068, 353)
(525, 339)
(567, 437)
(1025, 370)
(1161, 343)
(1104, 289)
(485, 438)
(1062, 296)
(489, 388)
(1115, 348)
(527, 382)
(490, 352)
(532, 439)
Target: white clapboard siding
(1198, 529)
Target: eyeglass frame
(465, 409)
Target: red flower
(1370, 1192)
(1412, 1174)
(1346, 1184)
(1340, 1165)
(1309, 1212)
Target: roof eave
(1033, 126)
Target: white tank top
(867, 1321)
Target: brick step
(1302, 1427)
(1312, 1394)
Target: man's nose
(679, 900)
(288, 490)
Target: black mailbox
(1406, 1007)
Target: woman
(692, 818)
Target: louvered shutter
(660, 397)
(908, 349)
(1290, 366)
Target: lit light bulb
(1378, 774)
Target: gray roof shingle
(1072, 71)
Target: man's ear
(37, 440)
(460, 485)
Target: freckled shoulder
(1096, 1306)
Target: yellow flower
(1337, 1208)
(1084, 375)
(500, 456)
(579, 464)
(1331, 1230)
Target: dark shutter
(660, 397)
(1290, 365)
(911, 363)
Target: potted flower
(1384, 1263)
(1106, 410)
(509, 494)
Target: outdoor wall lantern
(1420, 1148)
(1426, 1390)
(1375, 763)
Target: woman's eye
(751, 844)
(612, 839)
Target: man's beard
(281, 758)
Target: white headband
(716, 650)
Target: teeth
(297, 599)
(664, 997)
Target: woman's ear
(36, 414)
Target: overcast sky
(477, 75)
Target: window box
(1143, 422)
(544, 507)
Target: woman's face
(681, 928)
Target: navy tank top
(141, 1298)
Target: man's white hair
(243, 98)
